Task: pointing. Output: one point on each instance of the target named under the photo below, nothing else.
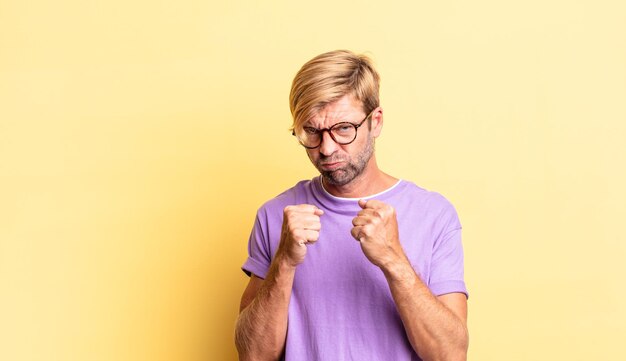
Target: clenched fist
(301, 226)
(376, 228)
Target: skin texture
(348, 167)
(435, 326)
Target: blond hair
(328, 77)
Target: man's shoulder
(410, 188)
(430, 199)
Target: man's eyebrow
(337, 121)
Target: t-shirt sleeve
(446, 273)
(259, 256)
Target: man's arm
(262, 324)
(435, 326)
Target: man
(354, 264)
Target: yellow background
(137, 139)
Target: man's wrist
(284, 264)
(399, 269)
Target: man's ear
(377, 121)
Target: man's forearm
(434, 331)
(262, 325)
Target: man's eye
(310, 130)
(343, 128)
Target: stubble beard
(352, 170)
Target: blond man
(354, 264)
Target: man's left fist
(376, 228)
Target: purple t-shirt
(341, 307)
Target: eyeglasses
(342, 133)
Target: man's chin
(338, 177)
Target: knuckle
(306, 208)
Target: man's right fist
(301, 226)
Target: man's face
(341, 164)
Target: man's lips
(331, 165)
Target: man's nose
(328, 145)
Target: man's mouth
(330, 165)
